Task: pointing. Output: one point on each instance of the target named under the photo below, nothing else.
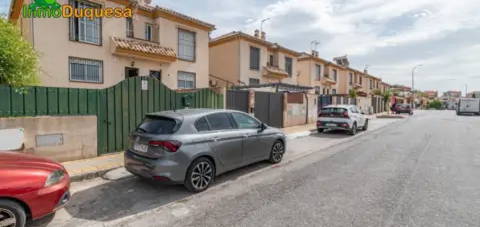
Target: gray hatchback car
(192, 146)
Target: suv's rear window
(158, 125)
(333, 110)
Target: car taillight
(345, 114)
(171, 146)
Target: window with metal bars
(85, 70)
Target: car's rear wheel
(200, 175)
(365, 127)
(353, 130)
(12, 214)
(276, 154)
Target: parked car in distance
(403, 108)
(30, 188)
(193, 146)
(468, 106)
(342, 117)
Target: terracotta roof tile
(143, 46)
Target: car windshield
(157, 125)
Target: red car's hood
(21, 160)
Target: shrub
(18, 59)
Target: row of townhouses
(278, 85)
(176, 49)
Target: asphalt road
(423, 172)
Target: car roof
(339, 106)
(183, 113)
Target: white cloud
(362, 28)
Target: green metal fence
(119, 109)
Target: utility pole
(413, 85)
(466, 90)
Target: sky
(391, 37)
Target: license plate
(140, 147)
(332, 125)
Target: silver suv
(193, 146)
(342, 117)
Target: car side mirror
(262, 127)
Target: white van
(468, 106)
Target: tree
(386, 97)
(352, 93)
(18, 59)
(435, 104)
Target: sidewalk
(95, 167)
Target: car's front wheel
(11, 214)
(320, 130)
(200, 175)
(276, 154)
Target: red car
(30, 188)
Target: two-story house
(241, 59)
(325, 76)
(100, 52)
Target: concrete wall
(296, 114)
(79, 135)
(365, 104)
(50, 37)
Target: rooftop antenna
(261, 24)
(365, 69)
(314, 44)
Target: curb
(100, 173)
(91, 175)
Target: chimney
(147, 2)
(365, 71)
(256, 33)
(314, 53)
(263, 35)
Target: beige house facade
(325, 76)
(99, 53)
(240, 59)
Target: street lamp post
(413, 85)
(261, 24)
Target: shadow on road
(133, 195)
(333, 134)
